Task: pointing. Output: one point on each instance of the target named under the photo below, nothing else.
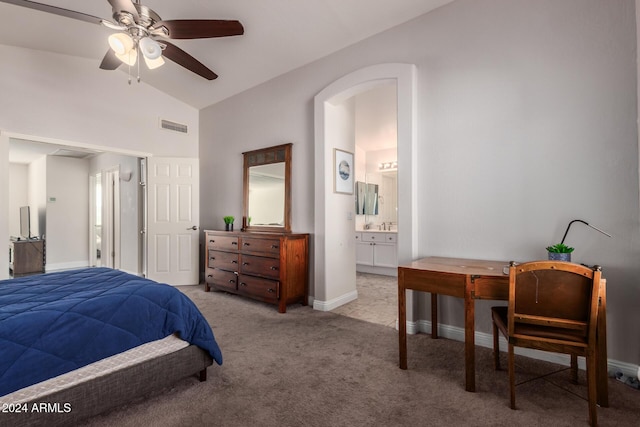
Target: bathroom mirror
(366, 198)
(377, 198)
(267, 189)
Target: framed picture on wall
(342, 171)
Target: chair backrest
(553, 299)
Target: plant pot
(228, 227)
(556, 256)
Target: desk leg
(602, 386)
(469, 336)
(434, 315)
(402, 323)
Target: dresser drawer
(223, 260)
(223, 243)
(260, 266)
(261, 246)
(261, 288)
(223, 279)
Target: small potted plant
(560, 252)
(228, 222)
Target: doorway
(335, 252)
(91, 166)
(104, 223)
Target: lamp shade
(150, 48)
(120, 43)
(153, 63)
(128, 58)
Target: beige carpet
(311, 368)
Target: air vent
(176, 127)
(62, 152)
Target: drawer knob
(234, 262)
(243, 284)
(270, 290)
(212, 241)
(245, 244)
(209, 275)
(274, 246)
(234, 243)
(232, 281)
(273, 267)
(245, 263)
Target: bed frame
(115, 389)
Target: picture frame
(342, 171)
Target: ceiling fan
(143, 33)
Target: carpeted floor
(312, 368)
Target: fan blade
(181, 57)
(125, 6)
(110, 61)
(200, 28)
(55, 10)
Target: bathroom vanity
(377, 252)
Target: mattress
(55, 323)
(94, 370)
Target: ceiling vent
(176, 127)
(63, 152)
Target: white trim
(49, 268)
(483, 339)
(76, 144)
(405, 76)
(335, 303)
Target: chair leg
(512, 377)
(574, 369)
(496, 348)
(591, 390)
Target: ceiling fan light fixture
(121, 43)
(150, 48)
(128, 58)
(154, 63)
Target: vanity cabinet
(266, 266)
(376, 249)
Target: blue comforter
(57, 322)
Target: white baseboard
(65, 266)
(334, 303)
(486, 340)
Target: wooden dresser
(270, 267)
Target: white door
(173, 194)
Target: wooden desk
(474, 279)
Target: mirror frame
(265, 156)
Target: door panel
(173, 236)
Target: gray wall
(526, 120)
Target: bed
(77, 343)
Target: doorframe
(327, 239)
(5, 136)
(111, 217)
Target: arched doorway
(334, 243)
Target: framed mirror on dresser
(265, 260)
(267, 189)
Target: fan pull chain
(138, 61)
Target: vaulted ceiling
(280, 35)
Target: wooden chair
(553, 306)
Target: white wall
(18, 195)
(130, 215)
(71, 99)
(526, 120)
(37, 182)
(62, 99)
(67, 213)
